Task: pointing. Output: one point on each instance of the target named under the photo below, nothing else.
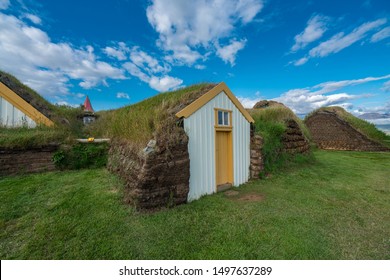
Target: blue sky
(305, 54)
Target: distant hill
(374, 116)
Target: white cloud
(147, 62)
(301, 61)
(304, 100)
(316, 27)
(190, 29)
(135, 71)
(122, 95)
(248, 102)
(228, 53)
(200, 66)
(119, 52)
(333, 86)
(164, 83)
(46, 66)
(4, 4)
(382, 34)
(65, 103)
(381, 121)
(341, 41)
(386, 87)
(381, 109)
(149, 70)
(80, 95)
(33, 18)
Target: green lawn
(335, 208)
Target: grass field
(335, 208)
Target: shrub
(91, 155)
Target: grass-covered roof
(138, 123)
(270, 123)
(364, 127)
(274, 114)
(28, 94)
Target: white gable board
(201, 146)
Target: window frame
(225, 117)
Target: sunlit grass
(336, 207)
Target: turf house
(197, 139)
(333, 128)
(17, 107)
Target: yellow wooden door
(223, 149)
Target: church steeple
(87, 105)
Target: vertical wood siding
(201, 146)
(10, 116)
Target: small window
(220, 118)
(223, 118)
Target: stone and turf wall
(256, 158)
(294, 142)
(157, 176)
(330, 132)
(23, 161)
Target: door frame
(226, 129)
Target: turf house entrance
(198, 142)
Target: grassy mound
(364, 127)
(138, 123)
(270, 123)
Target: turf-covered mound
(333, 128)
(283, 133)
(149, 147)
(267, 103)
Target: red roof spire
(87, 105)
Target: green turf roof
(138, 123)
